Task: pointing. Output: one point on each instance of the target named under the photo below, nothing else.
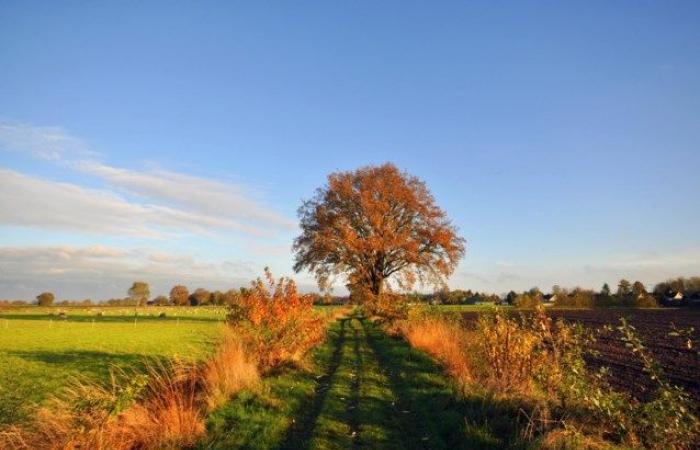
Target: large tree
(374, 224)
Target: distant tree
(216, 298)
(200, 297)
(686, 286)
(528, 300)
(624, 288)
(604, 299)
(374, 224)
(645, 301)
(230, 297)
(139, 292)
(45, 299)
(536, 293)
(179, 295)
(161, 300)
(510, 298)
(582, 298)
(638, 289)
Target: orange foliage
(374, 223)
(275, 321)
(270, 324)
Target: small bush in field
(277, 323)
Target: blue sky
(174, 141)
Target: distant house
(672, 299)
(549, 299)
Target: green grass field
(40, 351)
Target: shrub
(275, 322)
(540, 365)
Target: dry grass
(164, 408)
(170, 414)
(443, 339)
(229, 371)
(505, 355)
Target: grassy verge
(40, 354)
(365, 390)
(271, 415)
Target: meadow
(442, 377)
(42, 349)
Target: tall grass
(539, 365)
(163, 408)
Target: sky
(172, 142)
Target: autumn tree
(374, 224)
(161, 300)
(139, 292)
(179, 295)
(200, 296)
(45, 299)
(638, 289)
(624, 288)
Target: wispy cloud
(45, 142)
(189, 192)
(73, 272)
(158, 198)
(35, 202)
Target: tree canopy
(139, 292)
(374, 224)
(45, 299)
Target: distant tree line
(453, 297)
(676, 291)
(627, 294)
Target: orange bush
(164, 408)
(277, 323)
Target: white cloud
(51, 143)
(34, 202)
(189, 192)
(103, 272)
(169, 199)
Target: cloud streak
(104, 272)
(28, 201)
(133, 202)
(49, 143)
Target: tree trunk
(377, 285)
